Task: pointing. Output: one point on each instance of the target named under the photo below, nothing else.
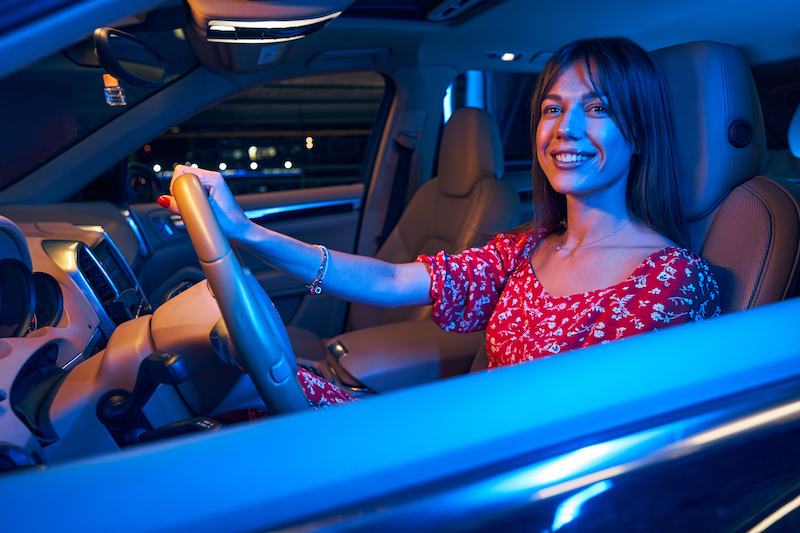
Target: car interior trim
(145, 248)
(273, 24)
(554, 473)
(254, 214)
(450, 440)
(87, 351)
(65, 255)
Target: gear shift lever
(159, 367)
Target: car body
(685, 429)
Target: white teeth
(570, 158)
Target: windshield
(54, 103)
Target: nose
(571, 124)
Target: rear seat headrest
(471, 150)
(718, 122)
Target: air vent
(96, 276)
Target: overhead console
(247, 35)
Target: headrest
(718, 122)
(471, 150)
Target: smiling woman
(633, 102)
(579, 145)
(645, 434)
(618, 276)
(605, 166)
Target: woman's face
(578, 144)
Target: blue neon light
(447, 103)
(258, 213)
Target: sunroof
(435, 10)
(396, 9)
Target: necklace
(560, 248)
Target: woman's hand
(231, 217)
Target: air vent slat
(95, 276)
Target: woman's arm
(350, 277)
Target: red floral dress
(320, 394)
(494, 287)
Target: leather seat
(745, 225)
(462, 207)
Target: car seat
(463, 206)
(745, 225)
(460, 208)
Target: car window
(54, 103)
(506, 96)
(779, 92)
(293, 134)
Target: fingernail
(163, 201)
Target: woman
(605, 257)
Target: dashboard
(64, 289)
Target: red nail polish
(163, 201)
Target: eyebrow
(586, 96)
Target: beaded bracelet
(316, 285)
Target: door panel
(328, 216)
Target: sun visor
(794, 134)
(246, 35)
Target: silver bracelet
(316, 285)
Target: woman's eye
(599, 109)
(549, 110)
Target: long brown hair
(638, 100)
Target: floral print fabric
(320, 394)
(494, 287)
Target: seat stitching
(770, 245)
(793, 274)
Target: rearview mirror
(128, 58)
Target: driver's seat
(745, 225)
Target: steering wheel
(256, 330)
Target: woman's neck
(587, 224)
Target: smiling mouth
(564, 157)
(570, 160)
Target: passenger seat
(463, 206)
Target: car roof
(522, 26)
